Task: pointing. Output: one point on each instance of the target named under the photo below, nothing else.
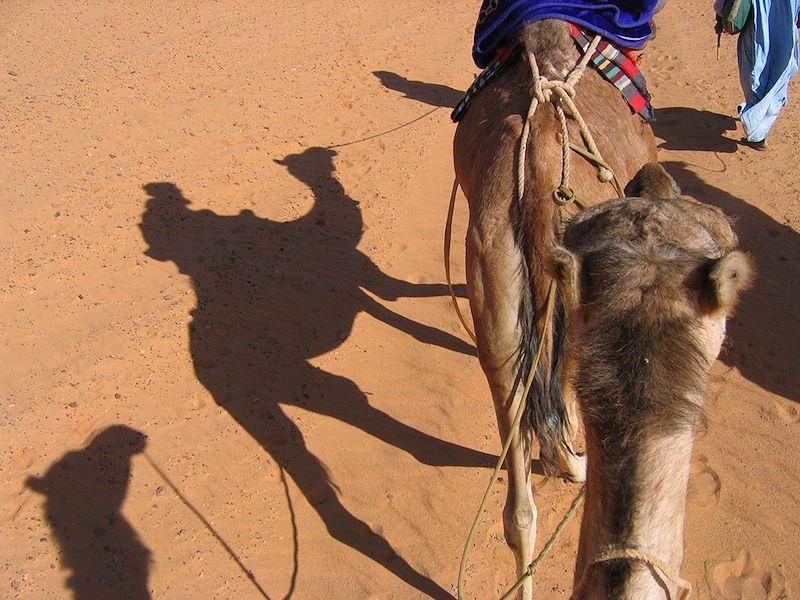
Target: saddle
(615, 64)
(624, 23)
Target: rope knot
(541, 89)
(563, 195)
(605, 175)
(567, 87)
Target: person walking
(768, 59)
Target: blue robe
(768, 59)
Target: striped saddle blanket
(616, 65)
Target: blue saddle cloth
(626, 23)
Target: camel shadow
(430, 93)
(273, 295)
(684, 128)
(84, 492)
(764, 334)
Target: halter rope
(633, 554)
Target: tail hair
(545, 409)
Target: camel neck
(640, 506)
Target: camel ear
(564, 267)
(652, 182)
(728, 277)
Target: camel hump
(652, 182)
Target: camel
(644, 288)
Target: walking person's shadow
(272, 295)
(84, 493)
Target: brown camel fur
(649, 282)
(511, 243)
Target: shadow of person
(272, 295)
(434, 94)
(84, 493)
(765, 333)
(684, 128)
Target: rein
(543, 91)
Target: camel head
(648, 281)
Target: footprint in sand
(745, 578)
(788, 413)
(704, 484)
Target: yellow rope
(448, 234)
(600, 162)
(542, 91)
(573, 508)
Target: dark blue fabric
(624, 22)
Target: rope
(542, 91)
(448, 236)
(633, 554)
(573, 508)
(600, 162)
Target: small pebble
(168, 297)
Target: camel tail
(537, 232)
(545, 409)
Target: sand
(230, 365)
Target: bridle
(623, 553)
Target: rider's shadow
(272, 295)
(84, 492)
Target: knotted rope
(542, 91)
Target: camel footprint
(745, 578)
(787, 413)
(704, 483)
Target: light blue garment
(768, 58)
